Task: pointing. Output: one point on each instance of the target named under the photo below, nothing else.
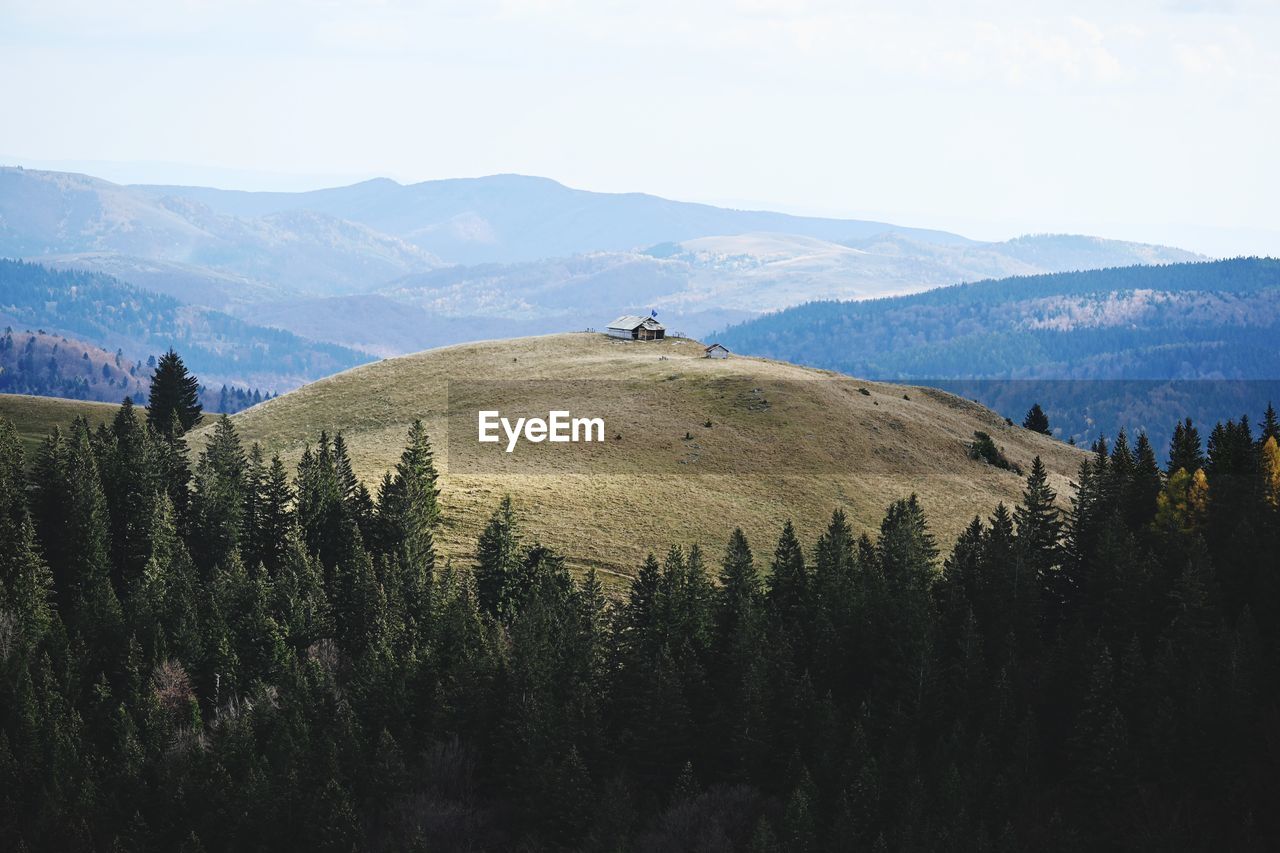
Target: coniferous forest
(212, 652)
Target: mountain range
(387, 268)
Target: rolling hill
(36, 362)
(1134, 347)
(693, 445)
(35, 417)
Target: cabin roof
(631, 321)
(717, 346)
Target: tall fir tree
(1270, 426)
(275, 521)
(408, 515)
(218, 501)
(174, 392)
(96, 615)
(1037, 420)
(1185, 449)
(499, 564)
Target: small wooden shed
(717, 351)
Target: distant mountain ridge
(1088, 337)
(515, 218)
(388, 269)
(53, 214)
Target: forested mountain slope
(1203, 321)
(115, 315)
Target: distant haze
(1153, 120)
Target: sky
(1155, 120)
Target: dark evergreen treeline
(230, 399)
(1058, 335)
(226, 657)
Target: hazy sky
(1130, 118)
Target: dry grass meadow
(785, 443)
(35, 417)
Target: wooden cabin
(634, 328)
(717, 351)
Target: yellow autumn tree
(1183, 503)
(1271, 471)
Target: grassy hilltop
(35, 417)
(818, 443)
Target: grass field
(35, 417)
(785, 442)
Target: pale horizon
(1154, 122)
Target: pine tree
(95, 607)
(13, 474)
(174, 392)
(355, 497)
(1270, 426)
(275, 518)
(218, 502)
(26, 584)
(49, 505)
(1039, 525)
(300, 605)
(499, 585)
(1144, 487)
(789, 579)
(409, 513)
(410, 506)
(739, 593)
(322, 516)
(737, 656)
(255, 476)
(130, 479)
(1037, 420)
(1185, 451)
(175, 468)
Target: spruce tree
(96, 612)
(739, 593)
(411, 505)
(131, 477)
(218, 502)
(1037, 420)
(788, 578)
(1270, 426)
(174, 392)
(1185, 450)
(1146, 485)
(737, 658)
(410, 512)
(275, 517)
(1038, 519)
(499, 585)
(26, 584)
(254, 483)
